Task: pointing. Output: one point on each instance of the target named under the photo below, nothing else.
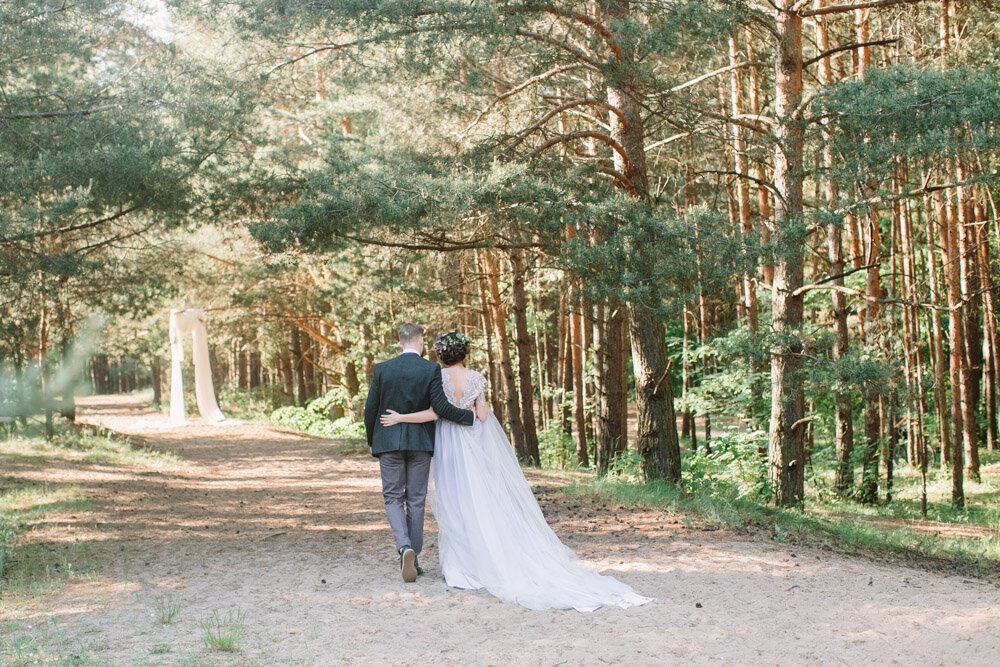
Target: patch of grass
(968, 539)
(167, 607)
(81, 443)
(44, 641)
(9, 540)
(30, 566)
(224, 632)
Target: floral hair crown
(451, 339)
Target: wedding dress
(492, 533)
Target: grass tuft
(224, 633)
(167, 608)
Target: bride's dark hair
(452, 347)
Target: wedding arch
(183, 322)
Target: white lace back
(475, 387)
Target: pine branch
(527, 83)
(839, 9)
(58, 114)
(848, 47)
(585, 134)
(564, 107)
(577, 53)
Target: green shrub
(626, 467)
(556, 448)
(313, 419)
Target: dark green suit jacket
(407, 383)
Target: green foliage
(919, 114)
(314, 418)
(556, 448)
(648, 256)
(252, 404)
(735, 468)
(626, 467)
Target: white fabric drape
(183, 322)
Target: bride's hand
(390, 418)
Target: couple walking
(491, 531)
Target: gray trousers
(404, 487)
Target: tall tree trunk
(936, 342)
(486, 320)
(972, 341)
(287, 375)
(760, 169)
(295, 353)
(565, 359)
(156, 370)
(688, 426)
(785, 449)
(656, 439)
(611, 409)
(525, 354)
(843, 409)
(742, 184)
(576, 352)
(990, 341)
(499, 317)
(949, 258)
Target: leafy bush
(313, 419)
(735, 467)
(627, 467)
(556, 448)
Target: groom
(407, 383)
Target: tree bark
(611, 409)
(576, 352)
(843, 409)
(523, 341)
(657, 427)
(785, 449)
(936, 342)
(949, 258)
(499, 317)
(972, 367)
(742, 185)
(295, 354)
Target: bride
(491, 531)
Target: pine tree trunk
(499, 318)
(949, 258)
(843, 408)
(657, 428)
(936, 342)
(156, 370)
(742, 185)
(990, 338)
(525, 354)
(295, 353)
(688, 426)
(786, 450)
(760, 169)
(972, 367)
(486, 320)
(576, 352)
(611, 409)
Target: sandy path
(292, 534)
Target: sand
(288, 532)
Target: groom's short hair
(410, 332)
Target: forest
(759, 237)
